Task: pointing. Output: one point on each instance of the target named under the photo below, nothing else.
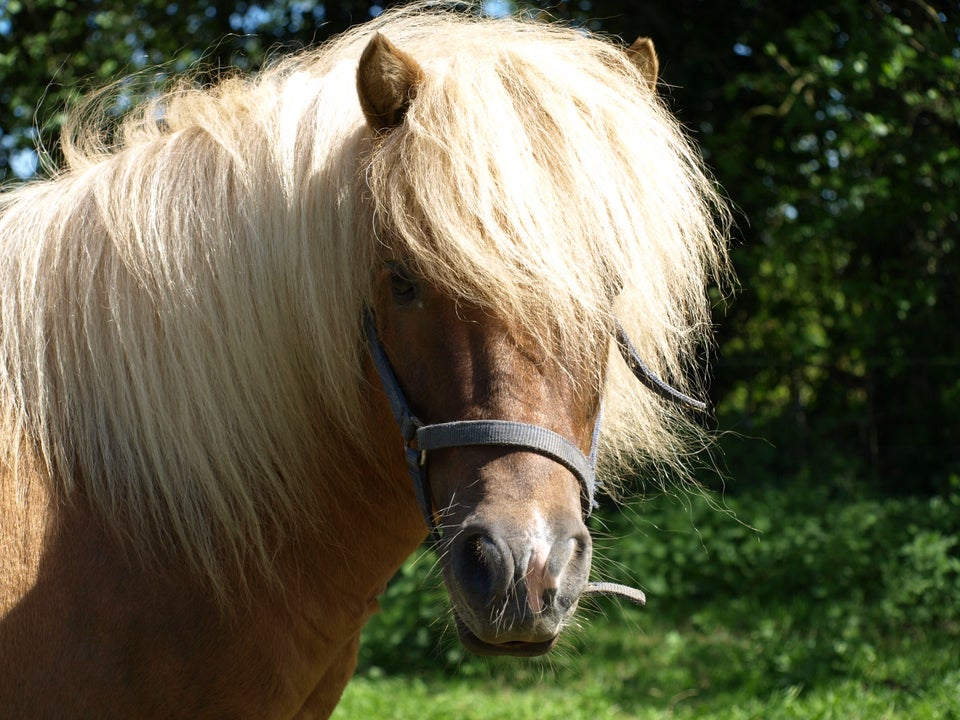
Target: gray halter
(500, 433)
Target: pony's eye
(403, 286)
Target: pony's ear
(387, 80)
(642, 54)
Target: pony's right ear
(642, 54)
(387, 80)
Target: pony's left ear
(642, 54)
(387, 81)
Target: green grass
(651, 669)
(804, 607)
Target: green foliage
(779, 605)
(851, 263)
(832, 561)
(52, 51)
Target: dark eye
(403, 286)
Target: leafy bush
(817, 577)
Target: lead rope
(623, 591)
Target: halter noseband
(500, 433)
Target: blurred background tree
(833, 127)
(54, 51)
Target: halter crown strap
(647, 377)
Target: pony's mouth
(517, 648)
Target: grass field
(623, 669)
(846, 609)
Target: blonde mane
(181, 310)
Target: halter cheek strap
(419, 439)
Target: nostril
(550, 598)
(481, 567)
(570, 554)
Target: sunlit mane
(179, 308)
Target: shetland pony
(213, 323)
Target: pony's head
(505, 178)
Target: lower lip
(515, 648)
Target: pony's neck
(331, 584)
(280, 648)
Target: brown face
(515, 551)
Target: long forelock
(537, 174)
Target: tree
(836, 131)
(833, 127)
(52, 51)
(855, 118)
